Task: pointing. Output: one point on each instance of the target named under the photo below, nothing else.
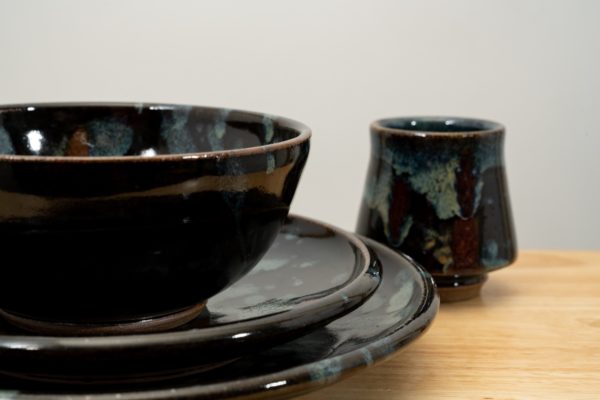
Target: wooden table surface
(533, 334)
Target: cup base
(148, 325)
(459, 288)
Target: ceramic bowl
(127, 217)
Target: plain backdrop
(533, 65)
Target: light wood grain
(533, 334)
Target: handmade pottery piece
(400, 311)
(436, 190)
(311, 275)
(128, 216)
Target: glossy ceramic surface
(436, 190)
(400, 311)
(312, 274)
(119, 212)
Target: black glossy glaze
(118, 212)
(312, 274)
(436, 190)
(400, 310)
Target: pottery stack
(148, 253)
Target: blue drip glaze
(367, 356)
(174, 133)
(215, 136)
(270, 163)
(269, 130)
(326, 370)
(430, 173)
(108, 137)
(490, 259)
(6, 146)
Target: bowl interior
(108, 130)
(446, 125)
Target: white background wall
(337, 65)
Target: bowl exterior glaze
(312, 275)
(121, 212)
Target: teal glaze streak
(270, 163)
(431, 172)
(367, 356)
(404, 230)
(269, 130)
(386, 347)
(477, 199)
(6, 146)
(437, 182)
(174, 133)
(490, 259)
(488, 154)
(326, 370)
(215, 136)
(108, 137)
(377, 195)
(401, 298)
(432, 175)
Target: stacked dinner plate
(124, 256)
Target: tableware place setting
(149, 252)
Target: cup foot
(458, 288)
(149, 325)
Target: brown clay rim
(303, 131)
(465, 127)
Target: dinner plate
(400, 310)
(313, 274)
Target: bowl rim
(304, 134)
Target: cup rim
(304, 134)
(487, 127)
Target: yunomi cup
(436, 190)
(127, 217)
